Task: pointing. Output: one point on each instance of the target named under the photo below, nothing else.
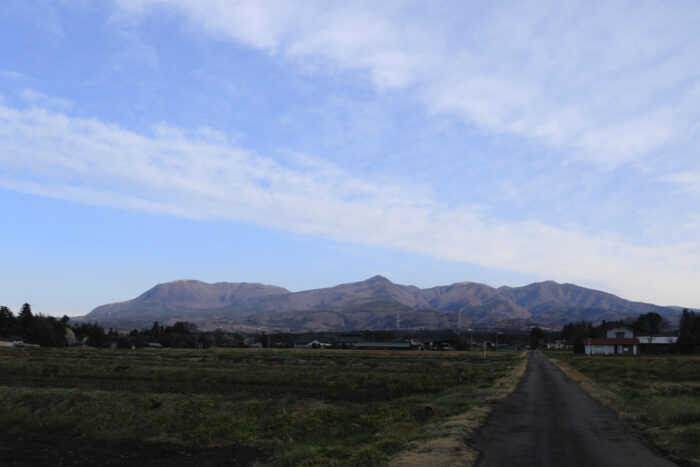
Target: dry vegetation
(659, 396)
(444, 443)
(276, 407)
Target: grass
(658, 395)
(300, 407)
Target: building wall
(595, 349)
(598, 349)
(612, 333)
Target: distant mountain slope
(370, 304)
(569, 295)
(187, 295)
(343, 295)
(372, 315)
(467, 296)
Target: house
(618, 341)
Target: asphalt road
(549, 421)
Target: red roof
(613, 341)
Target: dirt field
(241, 407)
(57, 451)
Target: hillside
(185, 296)
(375, 303)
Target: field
(659, 396)
(240, 406)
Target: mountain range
(376, 303)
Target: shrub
(368, 457)
(677, 410)
(691, 435)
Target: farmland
(268, 407)
(659, 396)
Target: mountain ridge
(366, 304)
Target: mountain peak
(179, 281)
(378, 278)
(548, 282)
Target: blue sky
(306, 144)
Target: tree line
(48, 331)
(36, 329)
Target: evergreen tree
(686, 322)
(7, 320)
(25, 315)
(536, 335)
(26, 322)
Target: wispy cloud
(686, 181)
(202, 175)
(609, 83)
(13, 75)
(38, 99)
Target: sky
(310, 143)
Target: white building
(619, 341)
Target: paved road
(549, 421)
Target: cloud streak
(38, 99)
(610, 84)
(200, 174)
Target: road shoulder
(445, 443)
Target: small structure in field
(557, 345)
(618, 341)
(657, 344)
(445, 344)
(317, 344)
(657, 340)
(11, 341)
(416, 344)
